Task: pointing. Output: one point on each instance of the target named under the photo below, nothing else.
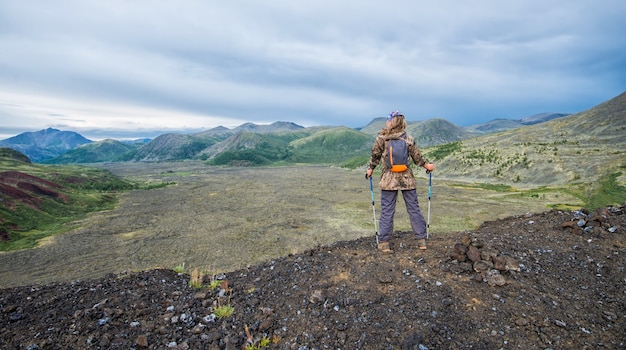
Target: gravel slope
(556, 282)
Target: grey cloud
(326, 61)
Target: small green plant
(226, 310)
(263, 342)
(214, 284)
(222, 311)
(179, 268)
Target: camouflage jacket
(390, 181)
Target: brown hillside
(580, 148)
(27, 189)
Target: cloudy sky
(139, 68)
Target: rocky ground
(553, 280)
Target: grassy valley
(38, 201)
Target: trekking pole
(374, 209)
(430, 192)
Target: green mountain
(433, 132)
(100, 151)
(252, 148)
(375, 126)
(175, 147)
(331, 146)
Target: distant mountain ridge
(45, 144)
(221, 145)
(426, 133)
(501, 124)
(540, 118)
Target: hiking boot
(421, 244)
(384, 247)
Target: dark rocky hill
(551, 280)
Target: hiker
(397, 179)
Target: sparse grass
(564, 206)
(459, 223)
(195, 279)
(222, 311)
(179, 268)
(179, 173)
(490, 187)
(607, 192)
(33, 237)
(214, 284)
(152, 185)
(355, 162)
(262, 343)
(442, 151)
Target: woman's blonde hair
(397, 124)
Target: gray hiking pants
(388, 209)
